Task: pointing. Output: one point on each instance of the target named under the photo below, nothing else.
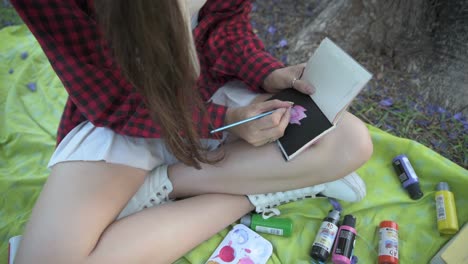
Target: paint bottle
(388, 242)
(273, 225)
(447, 221)
(407, 176)
(323, 243)
(345, 239)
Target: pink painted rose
(297, 114)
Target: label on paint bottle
(440, 208)
(408, 166)
(343, 247)
(326, 236)
(269, 230)
(388, 244)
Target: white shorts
(89, 143)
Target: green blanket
(32, 100)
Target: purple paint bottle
(407, 176)
(345, 239)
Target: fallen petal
(32, 86)
(271, 30)
(283, 43)
(386, 102)
(458, 116)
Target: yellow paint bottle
(447, 221)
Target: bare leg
(249, 170)
(72, 221)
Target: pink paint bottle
(344, 244)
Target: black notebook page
(312, 121)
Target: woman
(135, 131)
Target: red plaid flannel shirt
(67, 32)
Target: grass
(381, 103)
(8, 15)
(405, 116)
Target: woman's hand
(287, 78)
(264, 130)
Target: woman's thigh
(247, 170)
(77, 203)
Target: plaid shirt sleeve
(231, 47)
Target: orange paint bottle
(388, 242)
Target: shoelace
(158, 198)
(276, 199)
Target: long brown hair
(152, 43)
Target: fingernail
(291, 103)
(311, 89)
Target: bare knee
(359, 142)
(364, 147)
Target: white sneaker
(154, 190)
(266, 203)
(350, 188)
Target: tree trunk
(424, 40)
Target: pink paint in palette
(242, 246)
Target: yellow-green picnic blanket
(31, 103)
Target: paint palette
(242, 246)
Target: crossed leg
(73, 219)
(248, 170)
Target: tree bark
(424, 39)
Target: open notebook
(338, 78)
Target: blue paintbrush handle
(242, 121)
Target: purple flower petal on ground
(441, 110)
(32, 86)
(422, 122)
(271, 30)
(11, 71)
(282, 43)
(24, 55)
(431, 109)
(386, 102)
(284, 59)
(443, 125)
(297, 114)
(453, 135)
(435, 143)
(465, 124)
(254, 7)
(458, 116)
(443, 146)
